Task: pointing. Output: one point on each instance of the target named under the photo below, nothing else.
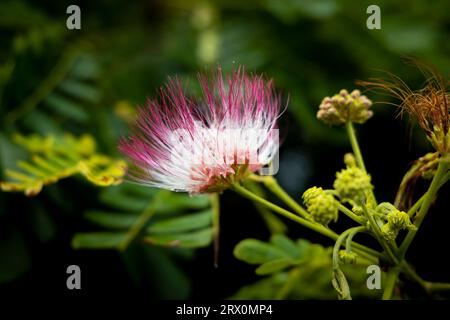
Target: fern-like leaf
(155, 217)
(57, 157)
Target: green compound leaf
(155, 217)
(280, 253)
(183, 223)
(292, 251)
(298, 270)
(287, 245)
(58, 157)
(81, 90)
(254, 251)
(67, 108)
(196, 239)
(180, 201)
(280, 247)
(111, 220)
(274, 266)
(97, 240)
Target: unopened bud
(322, 206)
(347, 257)
(352, 184)
(344, 107)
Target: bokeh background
(53, 80)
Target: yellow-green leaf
(57, 157)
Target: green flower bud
(322, 207)
(311, 194)
(352, 184)
(358, 210)
(396, 220)
(400, 220)
(349, 160)
(347, 257)
(389, 233)
(385, 208)
(344, 107)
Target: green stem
(370, 253)
(390, 283)
(215, 205)
(426, 203)
(140, 223)
(357, 152)
(409, 271)
(306, 223)
(339, 281)
(272, 221)
(272, 184)
(350, 214)
(428, 286)
(348, 242)
(341, 239)
(415, 206)
(404, 183)
(445, 178)
(376, 230)
(437, 286)
(418, 203)
(355, 145)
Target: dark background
(310, 48)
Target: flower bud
(400, 219)
(347, 257)
(322, 206)
(349, 160)
(396, 220)
(358, 210)
(385, 208)
(344, 107)
(352, 184)
(389, 233)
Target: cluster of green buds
(347, 257)
(352, 185)
(343, 107)
(322, 206)
(427, 165)
(440, 139)
(396, 221)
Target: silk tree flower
(430, 105)
(204, 145)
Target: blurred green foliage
(54, 81)
(296, 270)
(57, 158)
(170, 223)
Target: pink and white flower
(181, 144)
